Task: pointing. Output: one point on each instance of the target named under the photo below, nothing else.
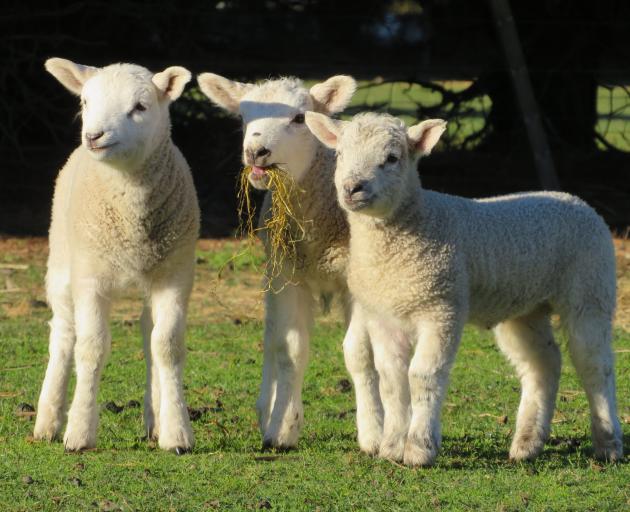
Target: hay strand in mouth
(282, 225)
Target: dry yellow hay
(283, 225)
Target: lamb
(423, 263)
(124, 212)
(273, 117)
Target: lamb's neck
(408, 217)
(317, 193)
(153, 169)
(148, 192)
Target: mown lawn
(227, 469)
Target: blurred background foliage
(413, 58)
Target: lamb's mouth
(356, 204)
(258, 174)
(97, 149)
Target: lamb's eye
(298, 119)
(391, 159)
(138, 107)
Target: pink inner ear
(169, 84)
(429, 138)
(330, 137)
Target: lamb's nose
(262, 152)
(93, 136)
(355, 187)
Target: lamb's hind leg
(590, 337)
(359, 358)
(289, 319)
(529, 345)
(51, 408)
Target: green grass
(227, 470)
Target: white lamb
(423, 263)
(273, 117)
(124, 212)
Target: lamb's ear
(72, 76)
(324, 128)
(425, 135)
(225, 93)
(334, 94)
(171, 81)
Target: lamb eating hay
(275, 134)
(124, 211)
(283, 227)
(424, 263)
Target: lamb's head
(124, 107)
(273, 119)
(376, 158)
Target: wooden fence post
(528, 105)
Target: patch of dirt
(236, 295)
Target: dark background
(573, 49)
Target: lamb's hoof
(48, 433)
(268, 445)
(370, 437)
(421, 454)
(526, 448)
(370, 445)
(392, 448)
(78, 441)
(370, 449)
(283, 437)
(609, 453)
(47, 425)
(180, 450)
(174, 438)
(77, 448)
(153, 434)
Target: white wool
(124, 212)
(271, 119)
(422, 264)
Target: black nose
(355, 188)
(262, 152)
(93, 136)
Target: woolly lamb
(273, 117)
(124, 212)
(424, 263)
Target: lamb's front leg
(91, 313)
(152, 389)
(359, 359)
(289, 320)
(51, 408)
(267, 395)
(391, 356)
(428, 380)
(169, 304)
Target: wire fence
(413, 58)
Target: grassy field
(227, 470)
